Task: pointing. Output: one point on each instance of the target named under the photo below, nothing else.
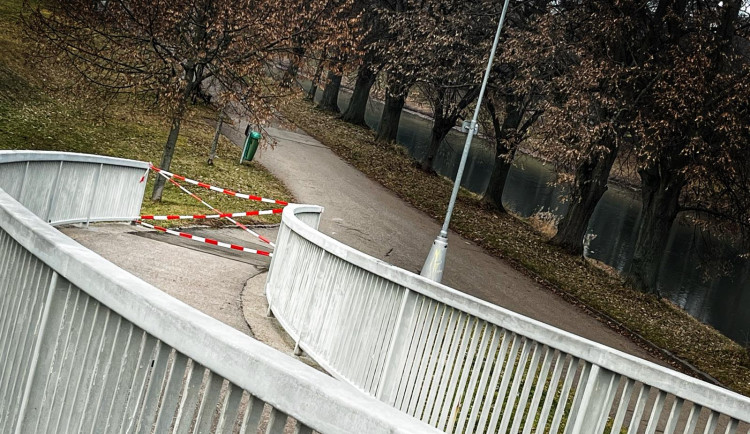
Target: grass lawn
(645, 317)
(39, 111)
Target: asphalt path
(361, 213)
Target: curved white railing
(64, 187)
(464, 365)
(88, 347)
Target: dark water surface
(723, 302)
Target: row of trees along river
(687, 274)
(657, 89)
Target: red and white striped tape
(211, 216)
(205, 240)
(218, 189)
(240, 225)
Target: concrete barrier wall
(86, 347)
(464, 365)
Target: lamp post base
(435, 262)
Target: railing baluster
(517, 377)
(443, 340)
(459, 358)
(170, 402)
(486, 360)
(63, 368)
(551, 391)
(33, 366)
(539, 389)
(138, 384)
(229, 410)
(564, 395)
(190, 392)
(674, 415)
(528, 382)
(108, 380)
(656, 409)
(276, 422)
(156, 383)
(373, 332)
(53, 193)
(692, 419)
(16, 349)
(731, 426)
(302, 429)
(422, 356)
(208, 403)
(398, 350)
(385, 336)
(252, 416)
(443, 370)
(713, 420)
(507, 370)
(592, 412)
(135, 339)
(94, 191)
(640, 403)
(622, 407)
(94, 325)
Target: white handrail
(422, 326)
(86, 345)
(62, 187)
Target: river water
(723, 302)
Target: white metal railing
(64, 187)
(86, 347)
(464, 365)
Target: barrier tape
(205, 240)
(211, 216)
(194, 196)
(217, 189)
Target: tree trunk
(196, 73)
(440, 128)
(660, 193)
(215, 141)
(389, 119)
(290, 74)
(166, 158)
(312, 91)
(330, 98)
(589, 186)
(355, 113)
(493, 195)
(316, 78)
(446, 114)
(506, 140)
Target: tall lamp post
(435, 262)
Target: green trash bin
(251, 145)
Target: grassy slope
(34, 117)
(658, 321)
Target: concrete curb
(267, 329)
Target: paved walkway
(363, 214)
(206, 278)
(358, 212)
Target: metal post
(435, 262)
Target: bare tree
(169, 49)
